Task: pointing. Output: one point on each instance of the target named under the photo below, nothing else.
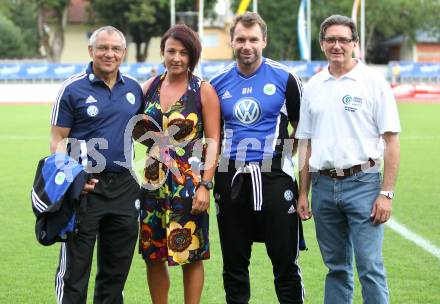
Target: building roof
(421, 37)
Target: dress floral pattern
(168, 232)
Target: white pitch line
(418, 240)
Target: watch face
(208, 184)
(388, 194)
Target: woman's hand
(200, 200)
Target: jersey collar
(94, 79)
(252, 74)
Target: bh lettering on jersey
(246, 91)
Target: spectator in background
(347, 112)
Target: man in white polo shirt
(348, 124)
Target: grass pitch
(27, 269)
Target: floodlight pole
(172, 12)
(309, 30)
(363, 30)
(200, 31)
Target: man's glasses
(105, 49)
(340, 40)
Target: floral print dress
(168, 232)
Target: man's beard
(248, 60)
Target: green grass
(27, 269)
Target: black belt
(343, 173)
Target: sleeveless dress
(175, 153)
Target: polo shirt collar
(94, 79)
(354, 74)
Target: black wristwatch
(207, 184)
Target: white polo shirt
(345, 117)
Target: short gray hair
(338, 20)
(108, 29)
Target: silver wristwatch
(387, 194)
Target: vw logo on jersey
(92, 111)
(91, 77)
(247, 110)
(130, 97)
(347, 99)
(288, 195)
(60, 178)
(269, 89)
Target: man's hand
(381, 210)
(89, 186)
(303, 208)
(200, 200)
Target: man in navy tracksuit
(89, 117)
(255, 189)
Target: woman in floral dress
(180, 165)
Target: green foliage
(21, 14)
(4, 8)
(282, 29)
(11, 45)
(57, 5)
(24, 17)
(281, 18)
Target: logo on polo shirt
(92, 111)
(269, 89)
(91, 77)
(60, 178)
(247, 110)
(352, 103)
(288, 195)
(130, 98)
(137, 204)
(347, 99)
(226, 95)
(91, 99)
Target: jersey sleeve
(294, 91)
(62, 109)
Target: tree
(12, 40)
(21, 13)
(23, 16)
(281, 18)
(139, 20)
(52, 20)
